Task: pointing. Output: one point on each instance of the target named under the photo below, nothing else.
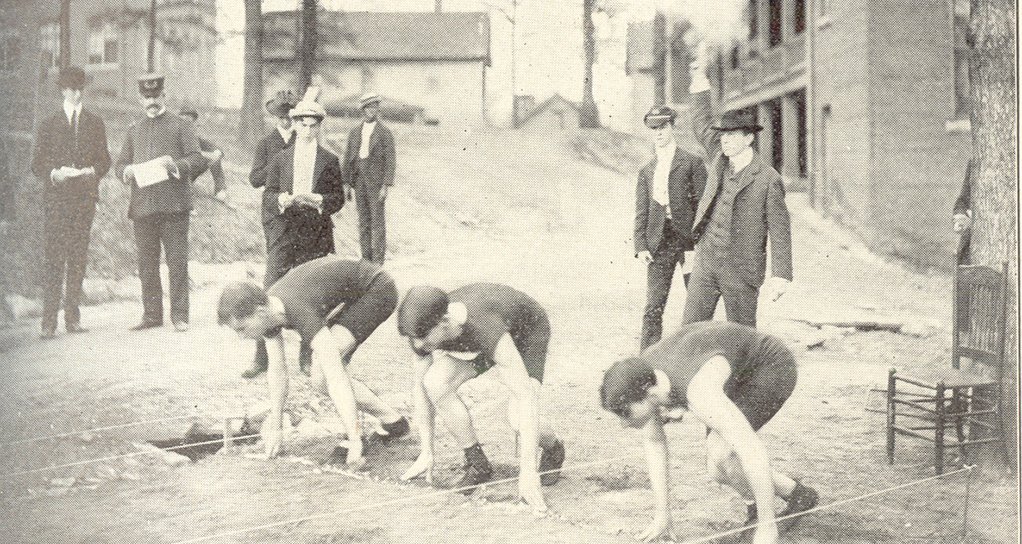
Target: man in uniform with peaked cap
(161, 204)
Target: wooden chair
(967, 400)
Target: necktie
(74, 131)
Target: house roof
(383, 36)
(555, 98)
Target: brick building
(109, 40)
(864, 103)
(433, 61)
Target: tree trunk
(65, 33)
(660, 59)
(151, 50)
(994, 185)
(307, 44)
(251, 124)
(589, 116)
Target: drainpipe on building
(812, 118)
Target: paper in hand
(150, 173)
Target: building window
(104, 46)
(735, 56)
(49, 44)
(800, 16)
(10, 53)
(753, 19)
(962, 52)
(776, 26)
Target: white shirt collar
(157, 114)
(741, 160)
(458, 313)
(69, 109)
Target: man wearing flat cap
(666, 198)
(159, 160)
(741, 207)
(303, 189)
(281, 137)
(69, 158)
(369, 163)
(211, 152)
(482, 327)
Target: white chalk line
(95, 430)
(124, 456)
(391, 502)
(834, 504)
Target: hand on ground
(659, 529)
(422, 466)
(529, 491)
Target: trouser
(714, 277)
(280, 259)
(372, 221)
(171, 231)
(67, 224)
(659, 276)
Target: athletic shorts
(361, 317)
(532, 347)
(760, 392)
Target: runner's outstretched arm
(424, 417)
(325, 353)
(276, 377)
(655, 443)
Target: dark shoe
(753, 514)
(802, 498)
(48, 333)
(551, 459)
(253, 371)
(146, 324)
(340, 454)
(474, 476)
(75, 328)
(181, 326)
(394, 430)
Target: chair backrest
(980, 296)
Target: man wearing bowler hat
(666, 197)
(303, 189)
(69, 158)
(281, 137)
(369, 163)
(741, 207)
(159, 159)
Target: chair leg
(890, 416)
(938, 441)
(959, 405)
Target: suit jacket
(298, 224)
(264, 153)
(55, 147)
(149, 138)
(685, 183)
(7, 204)
(379, 166)
(758, 209)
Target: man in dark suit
(281, 136)
(211, 152)
(666, 197)
(7, 212)
(369, 164)
(69, 159)
(159, 160)
(742, 204)
(303, 189)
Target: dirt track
(560, 230)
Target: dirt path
(560, 230)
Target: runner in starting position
(733, 379)
(459, 336)
(334, 304)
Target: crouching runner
(334, 304)
(457, 337)
(733, 379)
